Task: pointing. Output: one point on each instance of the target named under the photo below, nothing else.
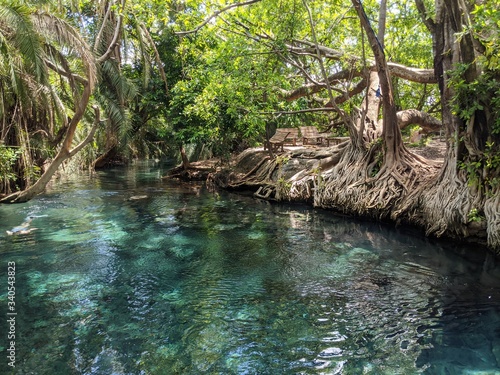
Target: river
(127, 273)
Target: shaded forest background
(88, 84)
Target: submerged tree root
(451, 207)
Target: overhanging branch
(116, 36)
(322, 109)
(215, 15)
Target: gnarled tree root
(411, 189)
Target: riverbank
(304, 174)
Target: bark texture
(453, 203)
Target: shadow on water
(131, 274)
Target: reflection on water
(129, 274)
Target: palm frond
(114, 80)
(16, 24)
(65, 35)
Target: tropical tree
(57, 60)
(48, 74)
(349, 72)
(465, 198)
(129, 89)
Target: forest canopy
(88, 84)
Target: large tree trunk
(448, 204)
(390, 132)
(382, 16)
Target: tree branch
(408, 73)
(313, 49)
(157, 57)
(215, 15)
(320, 59)
(101, 30)
(323, 109)
(412, 116)
(89, 136)
(116, 36)
(412, 74)
(64, 73)
(428, 22)
(314, 88)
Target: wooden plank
(292, 136)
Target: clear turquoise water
(189, 282)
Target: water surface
(184, 281)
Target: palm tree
(50, 70)
(23, 73)
(47, 76)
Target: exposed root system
(352, 180)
